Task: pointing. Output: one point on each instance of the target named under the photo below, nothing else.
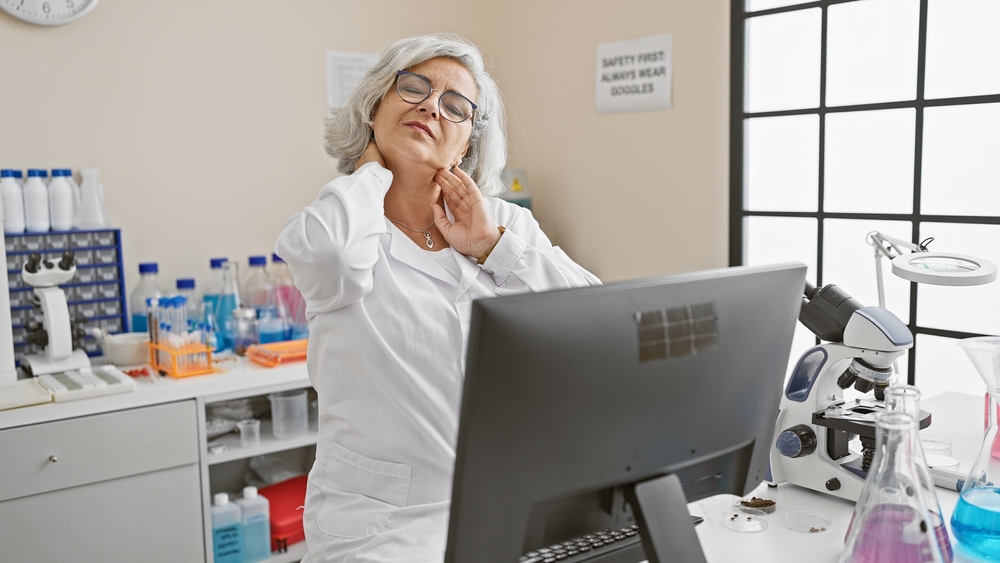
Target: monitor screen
(575, 399)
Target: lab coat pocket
(360, 493)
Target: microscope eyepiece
(68, 259)
(34, 260)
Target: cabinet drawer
(78, 451)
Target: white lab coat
(388, 330)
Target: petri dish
(765, 503)
(933, 444)
(806, 522)
(938, 461)
(745, 520)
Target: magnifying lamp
(923, 266)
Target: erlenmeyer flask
(976, 519)
(906, 398)
(891, 523)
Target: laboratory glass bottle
(227, 530)
(229, 300)
(36, 202)
(148, 287)
(906, 398)
(60, 201)
(290, 298)
(891, 522)
(255, 511)
(256, 285)
(186, 288)
(13, 202)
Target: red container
(287, 500)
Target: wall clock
(48, 12)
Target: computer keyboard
(585, 548)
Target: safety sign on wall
(634, 75)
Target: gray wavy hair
(348, 130)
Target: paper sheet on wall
(343, 72)
(635, 75)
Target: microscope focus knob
(797, 441)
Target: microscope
(58, 331)
(815, 424)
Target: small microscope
(815, 424)
(58, 331)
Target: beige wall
(206, 119)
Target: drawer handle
(53, 458)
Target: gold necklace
(426, 232)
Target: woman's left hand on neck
(474, 231)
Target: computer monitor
(588, 407)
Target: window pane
(963, 48)
(783, 61)
(969, 309)
(785, 239)
(755, 5)
(782, 163)
(849, 262)
(872, 52)
(869, 161)
(781, 239)
(942, 366)
(961, 171)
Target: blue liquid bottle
(256, 512)
(227, 531)
(229, 300)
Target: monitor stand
(660, 509)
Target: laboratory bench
(131, 476)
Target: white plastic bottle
(92, 213)
(19, 177)
(36, 202)
(146, 288)
(13, 202)
(227, 530)
(256, 512)
(68, 174)
(60, 201)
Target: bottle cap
(18, 174)
(59, 172)
(149, 268)
(37, 173)
(217, 263)
(249, 492)
(185, 283)
(6, 173)
(276, 258)
(66, 171)
(258, 260)
(221, 499)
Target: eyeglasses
(413, 89)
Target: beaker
(891, 522)
(976, 519)
(906, 398)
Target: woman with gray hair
(388, 259)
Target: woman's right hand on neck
(371, 154)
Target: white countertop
(235, 382)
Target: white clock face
(48, 12)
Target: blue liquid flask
(229, 300)
(976, 519)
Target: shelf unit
(97, 292)
(223, 471)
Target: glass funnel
(906, 398)
(891, 522)
(976, 519)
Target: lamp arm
(883, 243)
